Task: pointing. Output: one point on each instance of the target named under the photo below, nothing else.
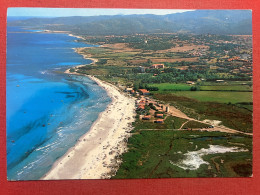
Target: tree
(149, 61)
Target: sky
(61, 12)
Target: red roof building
(141, 107)
(148, 117)
(144, 92)
(159, 115)
(157, 66)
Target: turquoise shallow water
(46, 112)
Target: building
(142, 107)
(157, 66)
(159, 115)
(128, 89)
(142, 69)
(144, 92)
(167, 109)
(159, 121)
(190, 82)
(147, 117)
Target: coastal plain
(225, 105)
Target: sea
(47, 111)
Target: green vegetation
(217, 96)
(194, 124)
(227, 88)
(72, 70)
(150, 154)
(169, 123)
(166, 87)
(155, 148)
(153, 45)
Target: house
(128, 89)
(159, 115)
(144, 92)
(157, 66)
(159, 121)
(142, 102)
(132, 91)
(147, 117)
(190, 82)
(142, 107)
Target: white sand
(94, 156)
(193, 160)
(212, 122)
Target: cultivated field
(217, 96)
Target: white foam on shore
(193, 160)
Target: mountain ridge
(237, 22)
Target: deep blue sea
(46, 111)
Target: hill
(224, 22)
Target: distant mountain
(199, 22)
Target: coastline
(79, 50)
(95, 154)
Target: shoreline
(79, 50)
(95, 154)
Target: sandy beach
(95, 154)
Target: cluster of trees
(176, 75)
(101, 61)
(222, 47)
(153, 45)
(116, 39)
(140, 85)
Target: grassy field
(226, 83)
(226, 88)
(151, 152)
(217, 96)
(164, 87)
(209, 93)
(194, 124)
